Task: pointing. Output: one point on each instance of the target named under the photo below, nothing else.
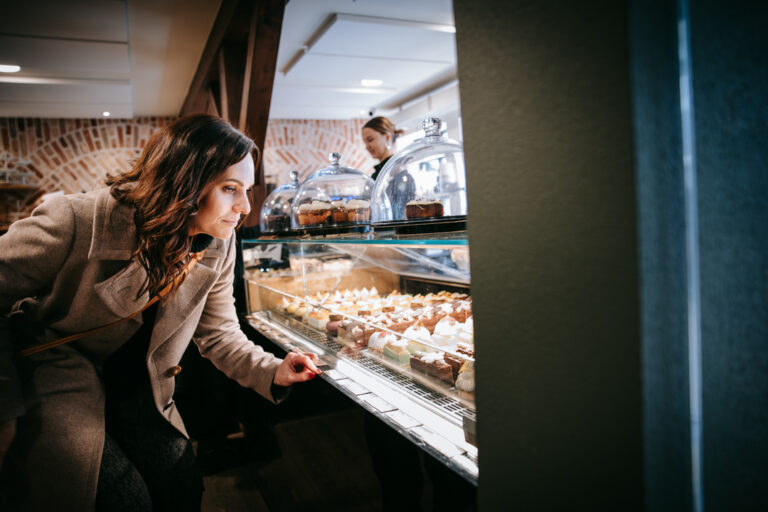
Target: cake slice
(358, 211)
(455, 363)
(433, 364)
(423, 209)
(396, 352)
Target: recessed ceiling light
(9, 68)
(106, 114)
(371, 82)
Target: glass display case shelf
(442, 260)
(394, 317)
(438, 424)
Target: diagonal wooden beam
(231, 67)
(263, 42)
(196, 100)
(212, 103)
(224, 96)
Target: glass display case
(425, 180)
(391, 319)
(335, 196)
(276, 211)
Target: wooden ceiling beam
(224, 105)
(232, 65)
(197, 97)
(212, 102)
(264, 40)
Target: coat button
(173, 371)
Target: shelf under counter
(434, 422)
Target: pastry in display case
(276, 211)
(393, 320)
(423, 183)
(333, 197)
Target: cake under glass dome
(276, 211)
(333, 196)
(425, 180)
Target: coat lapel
(172, 314)
(118, 292)
(114, 238)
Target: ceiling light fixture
(106, 114)
(9, 68)
(371, 82)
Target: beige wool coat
(67, 269)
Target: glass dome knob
(431, 126)
(334, 158)
(294, 175)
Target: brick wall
(304, 146)
(74, 155)
(71, 155)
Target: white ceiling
(80, 58)
(134, 58)
(367, 39)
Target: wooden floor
(324, 466)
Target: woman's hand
(297, 367)
(7, 433)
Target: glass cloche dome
(425, 180)
(276, 211)
(333, 196)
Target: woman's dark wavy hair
(165, 184)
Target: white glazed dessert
(397, 352)
(418, 333)
(446, 332)
(379, 339)
(465, 332)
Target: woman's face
(376, 143)
(224, 200)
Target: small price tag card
(353, 387)
(378, 403)
(438, 442)
(334, 374)
(466, 463)
(403, 419)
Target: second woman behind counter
(379, 136)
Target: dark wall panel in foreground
(730, 73)
(547, 125)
